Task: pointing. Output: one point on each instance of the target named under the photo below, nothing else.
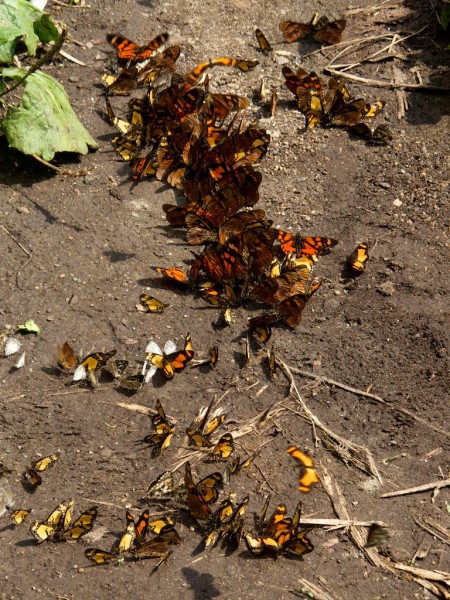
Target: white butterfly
(12, 346)
(152, 349)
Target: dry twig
(409, 87)
(435, 485)
(315, 591)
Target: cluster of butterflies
(199, 143)
(58, 526)
(331, 104)
(133, 543)
(199, 434)
(166, 361)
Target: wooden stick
(27, 252)
(420, 488)
(315, 591)
(358, 392)
(409, 87)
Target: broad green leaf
(21, 20)
(29, 327)
(44, 123)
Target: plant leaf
(44, 123)
(21, 20)
(29, 327)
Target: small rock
(386, 289)
(23, 210)
(397, 202)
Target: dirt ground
(78, 251)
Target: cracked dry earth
(87, 245)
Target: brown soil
(93, 240)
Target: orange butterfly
(304, 246)
(322, 29)
(358, 258)
(308, 475)
(168, 360)
(198, 507)
(174, 274)
(129, 51)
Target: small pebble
(386, 289)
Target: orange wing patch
(308, 475)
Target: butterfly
(158, 547)
(224, 447)
(201, 428)
(58, 526)
(358, 258)
(322, 29)
(117, 367)
(152, 304)
(276, 289)
(174, 274)
(164, 431)
(100, 557)
(81, 526)
(160, 525)
(162, 487)
(198, 507)
(132, 382)
(308, 475)
(304, 246)
(262, 41)
(129, 51)
(91, 363)
(377, 535)
(127, 538)
(168, 360)
(32, 475)
(213, 357)
(279, 533)
(19, 515)
(380, 136)
(66, 357)
(261, 332)
(227, 524)
(290, 310)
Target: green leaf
(29, 327)
(21, 20)
(445, 16)
(44, 123)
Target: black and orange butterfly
(304, 246)
(130, 51)
(322, 29)
(198, 506)
(203, 426)
(273, 290)
(308, 475)
(380, 136)
(359, 257)
(224, 447)
(263, 41)
(164, 431)
(167, 360)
